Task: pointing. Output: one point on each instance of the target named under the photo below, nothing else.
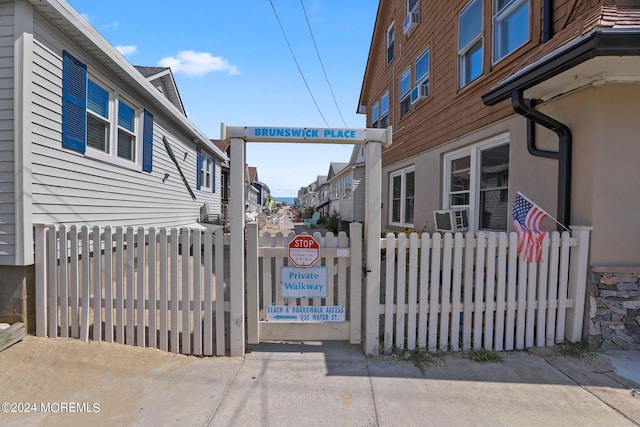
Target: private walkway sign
(309, 282)
(303, 250)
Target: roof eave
(599, 42)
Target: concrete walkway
(311, 384)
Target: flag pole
(554, 220)
(560, 224)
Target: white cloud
(194, 63)
(114, 25)
(127, 50)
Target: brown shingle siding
(449, 112)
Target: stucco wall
(605, 127)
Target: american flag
(527, 217)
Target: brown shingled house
(490, 97)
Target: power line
(321, 64)
(297, 65)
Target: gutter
(563, 155)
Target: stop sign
(304, 250)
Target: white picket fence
(450, 292)
(143, 287)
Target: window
(411, 5)
(422, 73)
(470, 42)
(375, 115)
(477, 178)
(384, 111)
(98, 122)
(390, 42)
(402, 196)
(510, 26)
(205, 178)
(108, 137)
(405, 89)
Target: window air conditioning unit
(411, 21)
(452, 220)
(419, 92)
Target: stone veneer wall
(614, 308)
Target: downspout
(563, 155)
(547, 21)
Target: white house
(85, 137)
(347, 186)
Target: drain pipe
(547, 21)
(563, 155)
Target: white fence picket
(445, 299)
(401, 290)
(64, 287)
(434, 291)
(152, 314)
(425, 244)
(412, 298)
(164, 291)
(389, 302)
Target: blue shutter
(213, 176)
(198, 169)
(74, 103)
(147, 142)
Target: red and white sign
(304, 250)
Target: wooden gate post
(577, 285)
(355, 297)
(373, 224)
(236, 294)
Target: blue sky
(232, 64)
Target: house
(347, 186)
(264, 194)
(87, 138)
(490, 98)
(308, 196)
(225, 169)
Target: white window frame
(424, 78)
(474, 152)
(415, 6)
(206, 174)
(405, 93)
(111, 153)
(391, 38)
(499, 17)
(384, 112)
(375, 115)
(464, 51)
(403, 187)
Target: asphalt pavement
(68, 382)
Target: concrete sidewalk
(310, 384)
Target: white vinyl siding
(359, 193)
(69, 187)
(7, 184)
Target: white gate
(340, 257)
(238, 136)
